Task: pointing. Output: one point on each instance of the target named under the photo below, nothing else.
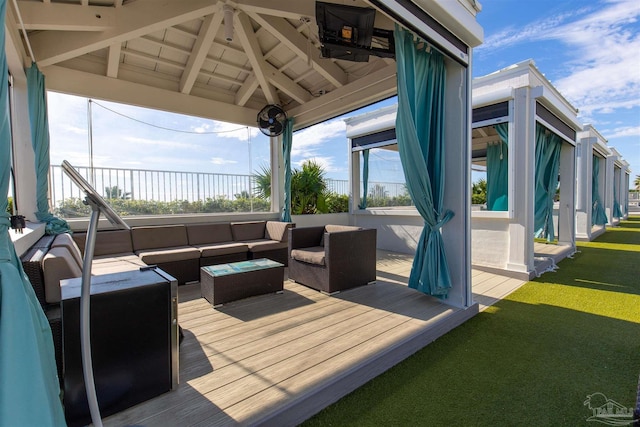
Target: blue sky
(589, 50)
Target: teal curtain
(40, 143)
(548, 147)
(29, 388)
(598, 215)
(617, 212)
(287, 142)
(420, 135)
(497, 171)
(365, 178)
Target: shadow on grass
(520, 361)
(596, 268)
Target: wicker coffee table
(223, 283)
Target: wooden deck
(278, 359)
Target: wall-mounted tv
(346, 33)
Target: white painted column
(567, 213)
(277, 174)
(24, 166)
(522, 151)
(354, 179)
(607, 196)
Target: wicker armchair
(332, 258)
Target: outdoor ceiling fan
(271, 120)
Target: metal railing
(145, 184)
(167, 186)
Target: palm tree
(636, 182)
(262, 182)
(308, 189)
(116, 193)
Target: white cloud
(221, 161)
(327, 163)
(623, 132)
(307, 142)
(231, 130)
(603, 73)
(161, 143)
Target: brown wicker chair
(332, 258)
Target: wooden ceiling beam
(299, 44)
(133, 20)
(248, 40)
(200, 50)
(65, 17)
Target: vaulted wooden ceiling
(173, 55)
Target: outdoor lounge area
(277, 359)
(230, 62)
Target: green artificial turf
(531, 359)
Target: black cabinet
(134, 341)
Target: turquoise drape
(617, 212)
(287, 143)
(365, 178)
(40, 143)
(420, 135)
(497, 171)
(548, 147)
(29, 388)
(598, 215)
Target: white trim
(374, 145)
(427, 31)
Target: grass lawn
(531, 359)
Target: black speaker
(134, 341)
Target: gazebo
(524, 137)
(226, 60)
(593, 211)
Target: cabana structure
(226, 60)
(524, 134)
(399, 227)
(625, 177)
(592, 210)
(615, 203)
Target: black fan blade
(276, 128)
(274, 112)
(263, 123)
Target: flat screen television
(345, 31)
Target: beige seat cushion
(276, 230)
(330, 228)
(65, 240)
(58, 264)
(221, 249)
(313, 255)
(157, 256)
(265, 245)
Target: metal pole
(90, 126)
(85, 318)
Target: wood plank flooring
(277, 359)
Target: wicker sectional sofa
(180, 250)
